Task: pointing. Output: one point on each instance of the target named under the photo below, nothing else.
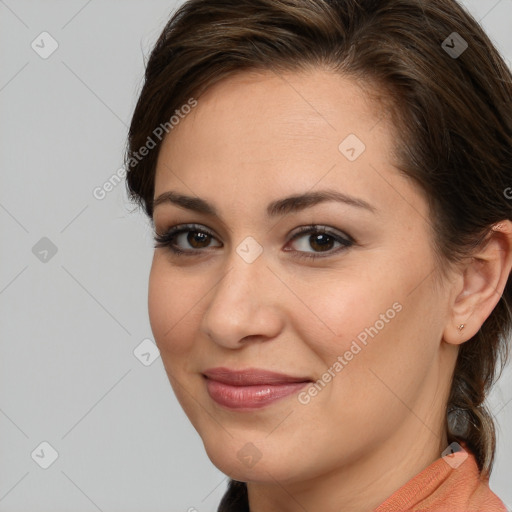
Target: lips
(250, 388)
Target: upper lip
(250, 376)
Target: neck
(363, 484)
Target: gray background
(71, 321)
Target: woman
(330, 290)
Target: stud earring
(460, 327)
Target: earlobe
(456, 334)
(484, 277)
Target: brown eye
(198, 239)
(185, 239)
(321, 240)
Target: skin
(257, 137)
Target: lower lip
(250, 397)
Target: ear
(481, 284)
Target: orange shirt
(447, 485)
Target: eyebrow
(290, 204)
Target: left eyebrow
(300, 202)
(276, 208)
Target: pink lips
(250, 388)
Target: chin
(243, 460)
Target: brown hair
(453, 117)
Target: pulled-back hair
(452, 115)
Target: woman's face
(363, 320)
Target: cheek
(172, 310)
(371, 322)
(173, 316)
(350, 308)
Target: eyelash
(166, 240)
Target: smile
(251, 388)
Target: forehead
(269, 120)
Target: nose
(244, 304)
